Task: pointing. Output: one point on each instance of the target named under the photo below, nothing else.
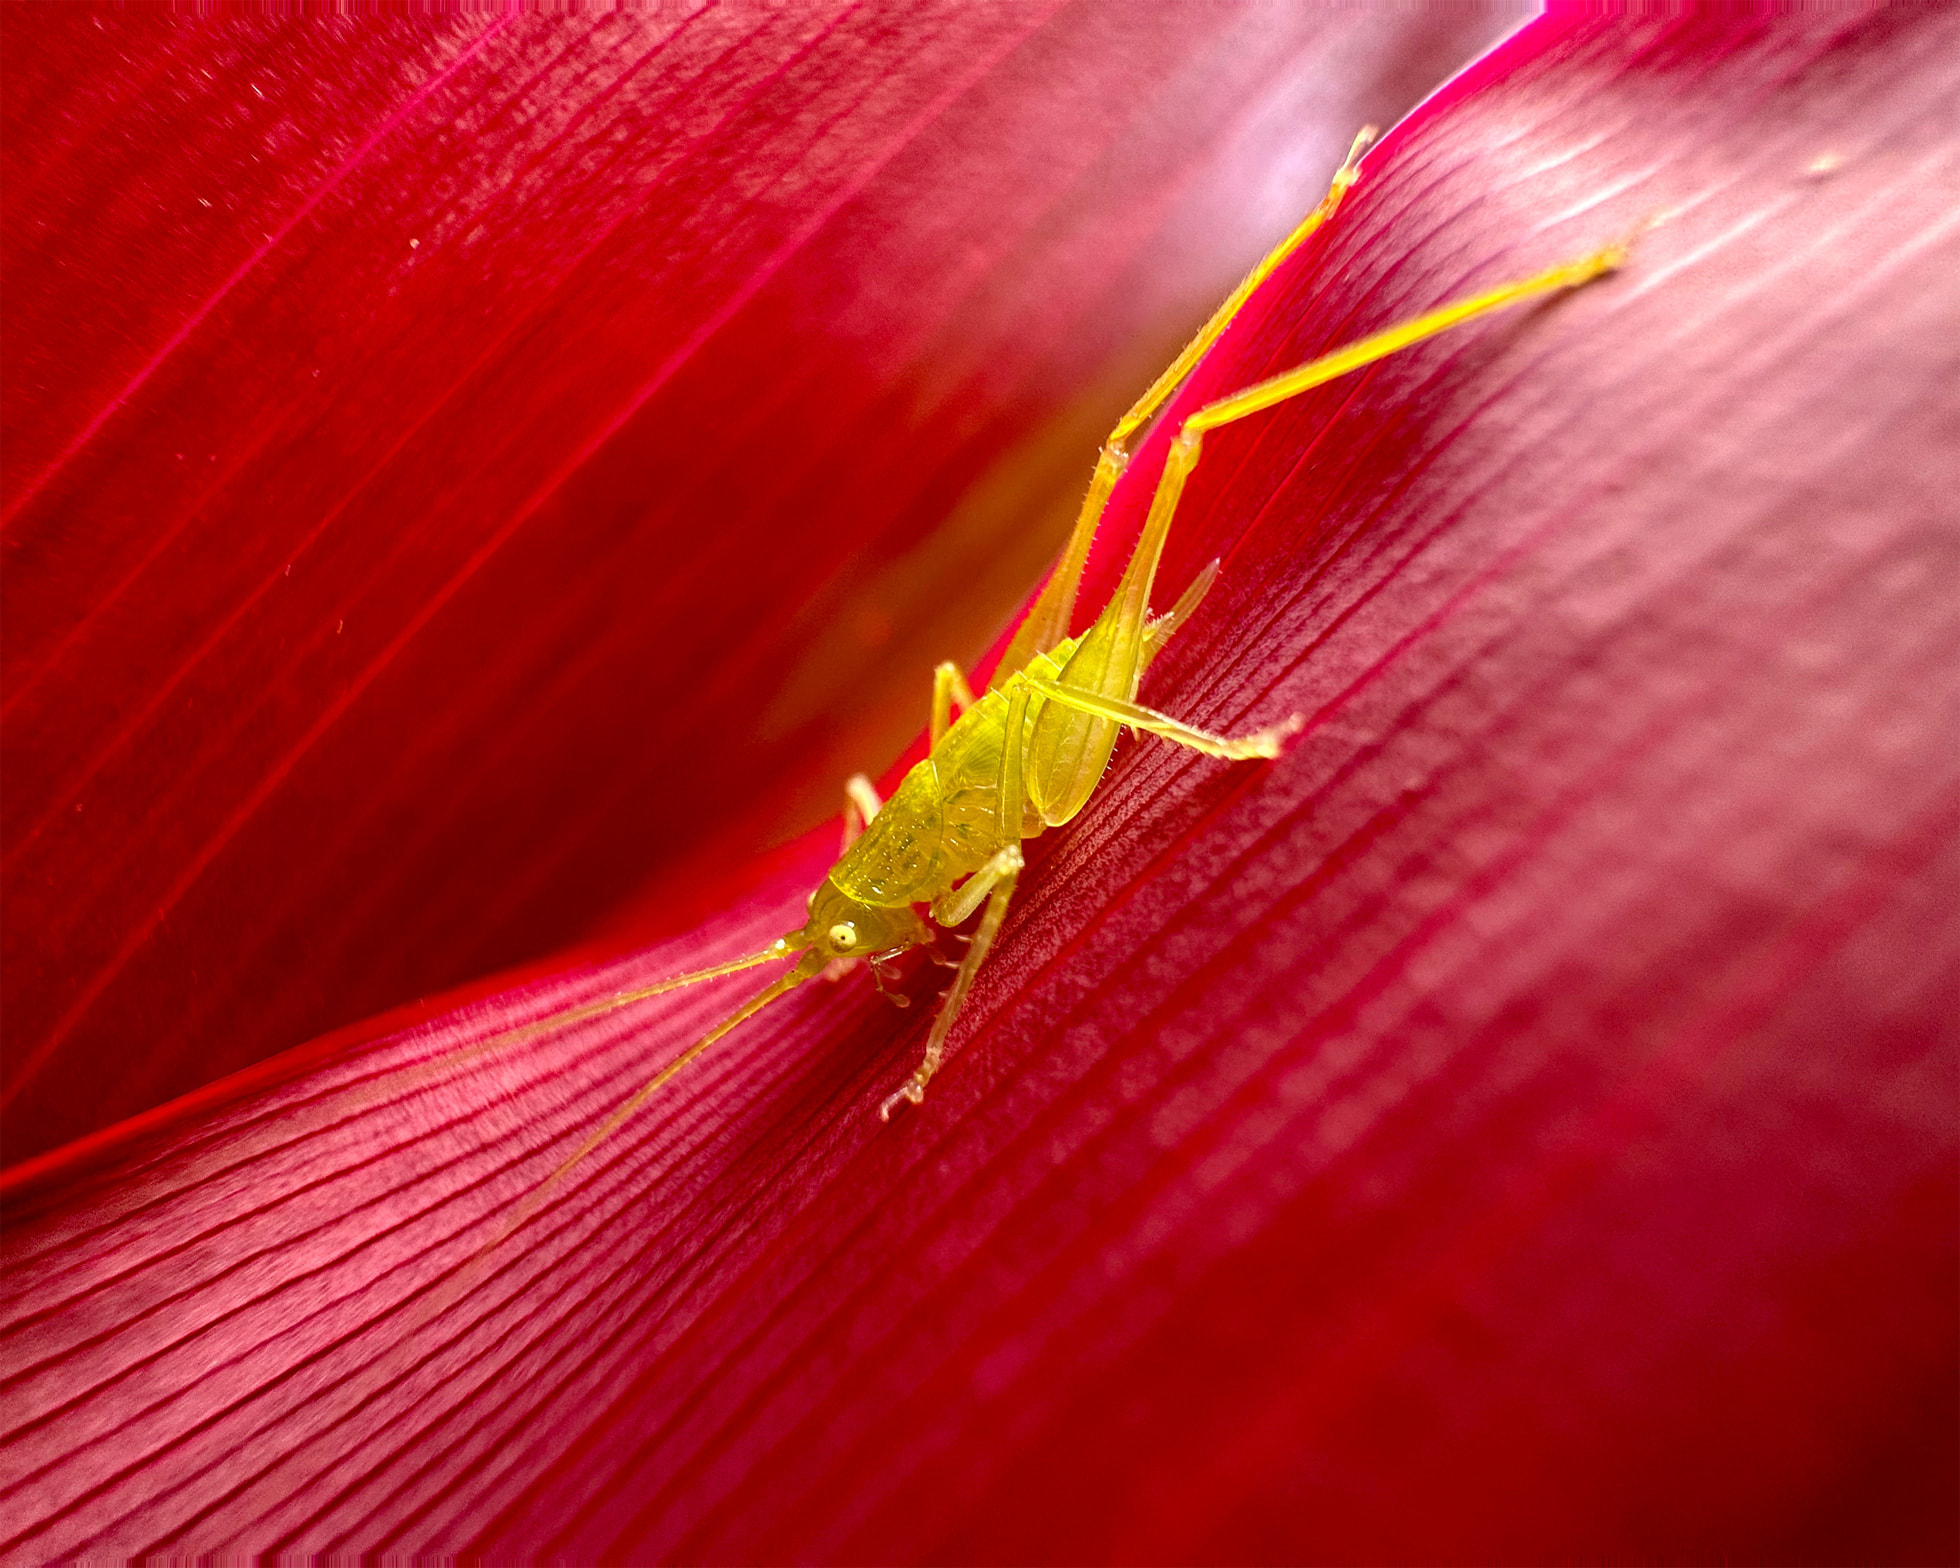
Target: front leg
(996, 879)
(994, 882)
(861, 804)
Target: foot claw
(914, 1091)
(1271, 742)
(883, 980)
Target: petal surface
(1517, 1124)
(457, 465)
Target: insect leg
(1159, 629)
(1070, 749)
(948, 687)
(1187, 361)
(1047, 622)
(861, 804)
(954, 906)
(1127, 604)
(997, 879)
(1292, 383)
(1260, 743)
(993, 882)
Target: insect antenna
(527, 1208)
(639, 993)
(661, 1079)
(565, 1017)
(534, 1199)
(337, 1104)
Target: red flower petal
(1518, 1124)
(430, 442)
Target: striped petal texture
(458, 467)
(1520, 1123)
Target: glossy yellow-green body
(1028, 753)
(943, 822)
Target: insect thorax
(943, 822)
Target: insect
(1027, 754)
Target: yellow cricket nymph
(1027, 754)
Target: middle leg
(1260, 743)
(997, 878)
(948, 687)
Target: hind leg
(1071, 744)
(1047, 622)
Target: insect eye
(844, 936)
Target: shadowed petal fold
(434, 441)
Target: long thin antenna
(777, 949)
(565, 1017)
(659, 1080)
(534, 1199)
